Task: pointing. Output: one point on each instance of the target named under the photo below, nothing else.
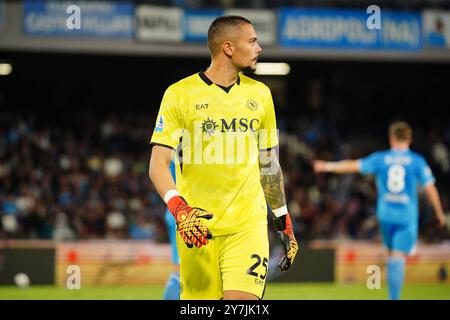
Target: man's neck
(222, 74)
(400, 147)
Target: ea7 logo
(201, 106)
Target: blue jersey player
(172, 289)
(398, 173)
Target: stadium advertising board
(347, 29)
(114, 262)
(96, 18)
(312, 265)
(436, 25)
(196, 24)
(159, 24)
(264, 21)
(36, 263)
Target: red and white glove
(285, 232)
(189, 222)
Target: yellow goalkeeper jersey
(219, 134)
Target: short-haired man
(398, 172)
(226, 122)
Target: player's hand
(319, 165)
(285, 232)
(442, 220)
(189, 222)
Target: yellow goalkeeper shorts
(238, 261)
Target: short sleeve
(168, 127)
(369, 164)
(424, 172)
(268, 133)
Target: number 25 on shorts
(259, 278)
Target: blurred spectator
(62, 231)
(117, 225)
(441, 156)
(142, 229)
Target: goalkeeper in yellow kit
(224, 124)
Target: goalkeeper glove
(189, 224)
(285, 232)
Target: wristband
(280, 211)
(170, 194)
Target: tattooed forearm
(272, 184)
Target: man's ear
(227, 48)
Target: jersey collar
(209, 82)
(400, 150)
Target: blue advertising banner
(197, 22)
(347, 29)
(79, 18)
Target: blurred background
(78, 107)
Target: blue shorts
(172, 230)
(399, 237)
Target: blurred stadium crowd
(58, 184)
(63, 183)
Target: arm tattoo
(272, 184)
